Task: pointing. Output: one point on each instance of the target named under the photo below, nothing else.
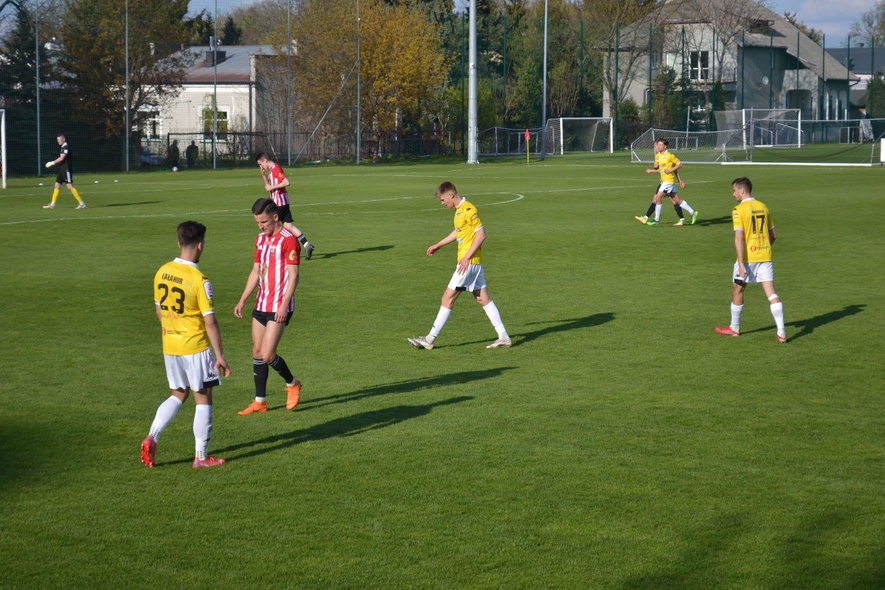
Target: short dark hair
(446, 187)
(666, 142)
(744, 183)
(191, 233)
(262, 156)
(265, 206)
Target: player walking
(65, 174)
(469, 275)
(753, 236)
(184, 305)
(275, 182)
(668, 165)
(275, 275)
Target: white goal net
(580, 134)
(692, 146)
(765, 127)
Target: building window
(700, 65)
(221, 122)
(152, 125)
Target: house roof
(786, 35)
(769, 30)
(234, 65)
(862, 58)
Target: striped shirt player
(667, 165)
(273, 254)
(469, 273)
(192, 348)
(275, 277)
(753, 236)
(65, 175)
(275, 182)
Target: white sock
(736, 317)
(658, 212)
(495, 317)
(777, 310)
(687, 208)
(165, 413)
(202, 429)
(441, 318)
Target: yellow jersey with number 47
(666, 161)
(755, 220)
(184, 296)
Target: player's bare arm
(739, 248)
(251, 285)
(283, 312)
(443, 242)
(464, 263)
(214, 334)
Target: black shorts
(64, 176)
(266, 316)
(284, 213)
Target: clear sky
(833, 17)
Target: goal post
(3, 148)
(580, 134)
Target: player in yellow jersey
(668, 166)
(184, 305)
(469, 274)
(753, 236)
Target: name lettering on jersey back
(173, 279)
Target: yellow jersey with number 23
(184, 296)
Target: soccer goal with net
(580, 134)
(693, 146)
(765, 127)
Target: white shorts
(472, 280)
(757, 272)
(668, 187)
(197, 371)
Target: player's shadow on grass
(596, 319)
(714, 220)
(126, 204)
(339, 427)
(806, 327)
(407, 386)
(357, 251)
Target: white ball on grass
(175, 168)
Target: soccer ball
(175, 168)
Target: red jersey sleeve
(291, 250)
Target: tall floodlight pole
(37, 96)
(288, 83)
(471, 89)
(544, 92)
(127, 129)
(359, 66)
(215, 90)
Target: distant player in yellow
(469, 274)
(185, 308)
(753, 236)
(668, 165)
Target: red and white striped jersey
(273, 254)
(276, 175)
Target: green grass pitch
(621, 443)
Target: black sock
(678, 211)
(302, 239)
(280, 366)
(259, 373)
(651, 210)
